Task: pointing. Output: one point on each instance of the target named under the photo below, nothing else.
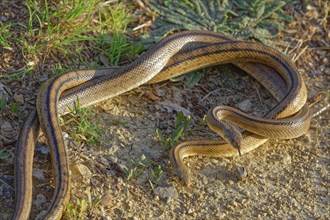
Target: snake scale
(174, 55)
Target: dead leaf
(170, 107)
(152, 96)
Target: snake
(174, 55)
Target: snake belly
(157, 64)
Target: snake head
(236, 141)
(228, 132)
(233, 137)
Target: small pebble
(191, 210)
(3, 18)
(106, 200)
(245, 105)
(113, 159)
(160, 92)
(120, 167)
(82, 170)
(6, 126)
(18, 98)
(40, 201)
(286, 158)
(241, 173)
(43, 149)
(38, 173)
(166, 193)
(41, 215)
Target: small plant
(138, 167)
(3, 101)
(5, 34)
(60, 25)
(14, 107)
(116, 47)
(84, 128)
(181, 125)
(76, 210)
(129, 173)
(258, 19)
(17, 74)
(156, 174)
(52, 26)
(80, 208)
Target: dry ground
(286, 179)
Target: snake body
(172, 56)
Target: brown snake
(175, 55)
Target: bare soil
(285, 178)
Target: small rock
(150, 95)
(166, 193)
(43, 149)
(245, 105)
(94, 181)
(160, 92)
(120, 167)
(110, 173)
(18, 98)
(106, 200)
(41, 215)
(6, 186)
(214, 161)
(82, 170)
(205, 180)
(177, 95)
(43, 78)
(113, 159)
(65, 136)
(104, 60)
(292, 201)
(38, 173)
(314, 73)
(325, 60)
(104, 161)
(40, 201)
(286, 158)
(3, 18)
(6, 126)
(191, 210)
(241, 173)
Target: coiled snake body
(172, 56)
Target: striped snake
(174, 55)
